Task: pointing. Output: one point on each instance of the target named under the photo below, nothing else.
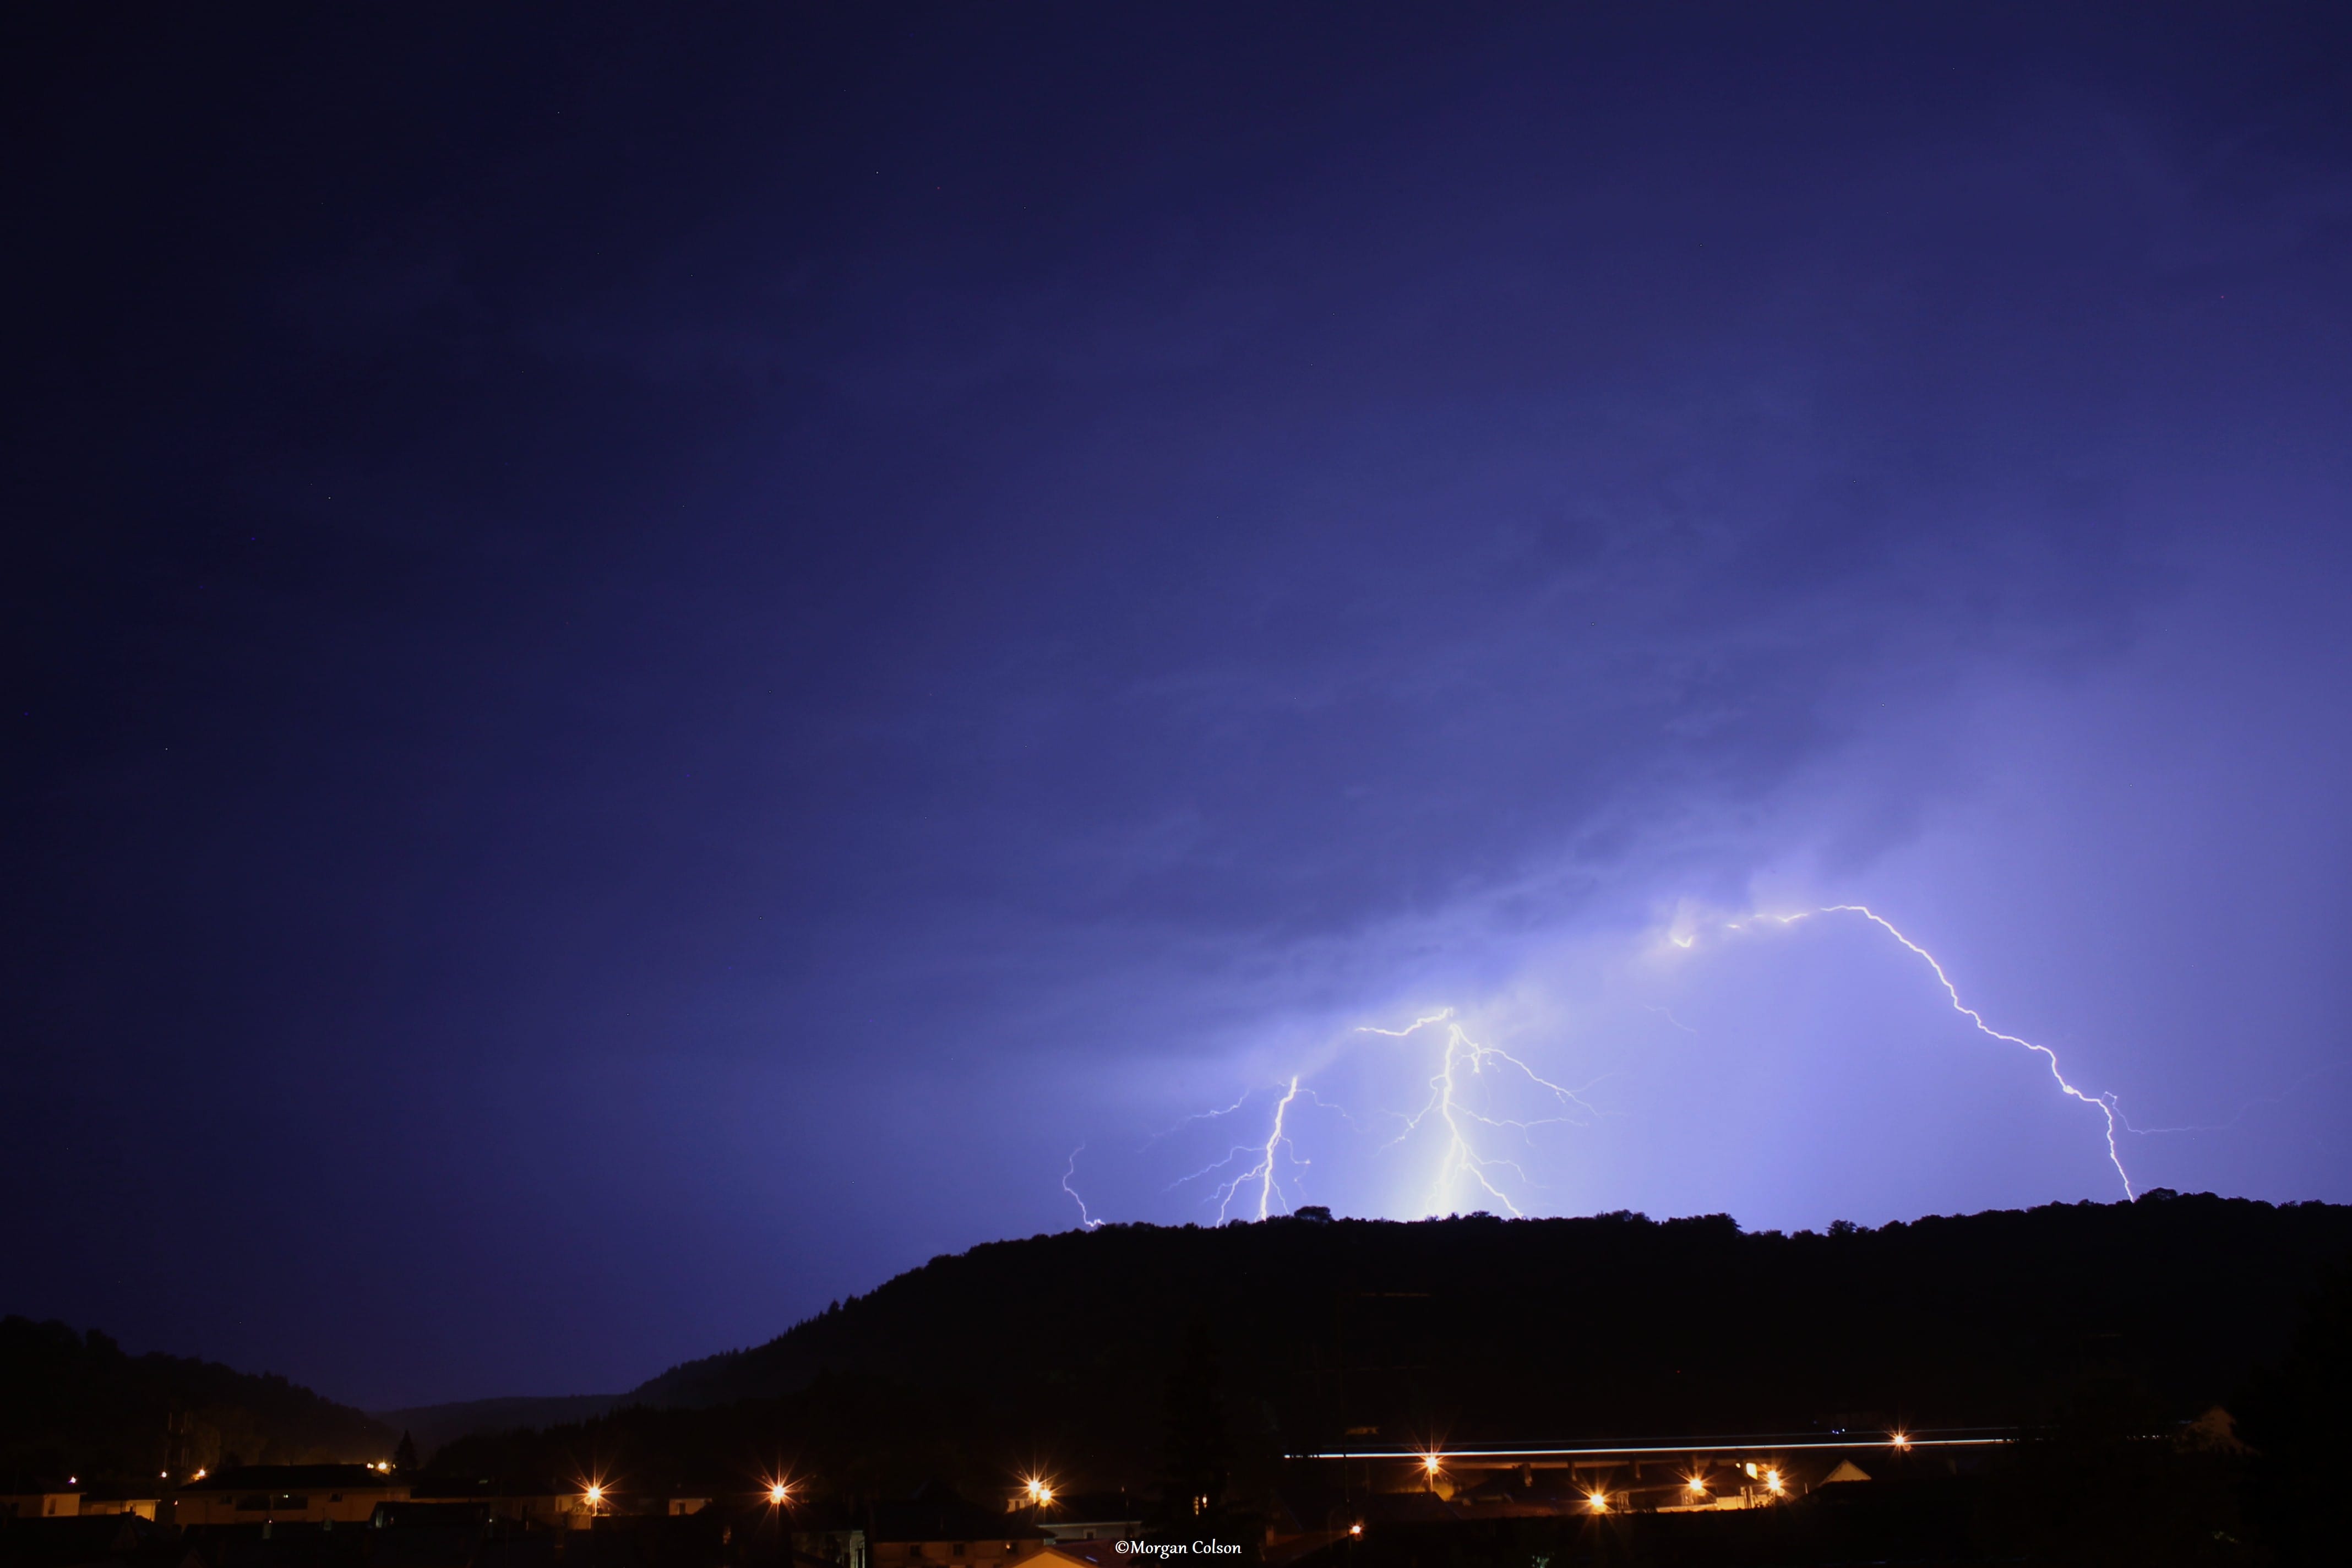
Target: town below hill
(77, 1404)
(1478, 1329)
(1315, 1386)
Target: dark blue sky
(652, 661)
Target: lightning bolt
(1199, 1116)
(1460, 1159)
(2105, 1104)
(2242, 1113)
(1461, 1059)
(1086, 1220)
(1274, 1142)
(1262, 1170)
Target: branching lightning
(1459, 1158)
(1459, 1162)
(1252, 1174)
(2105, 1104)
(2238, 1116)
(1264, 1158)
(1276, 1142)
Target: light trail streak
(1709, 1447)
(1459, 1159)
(2105, 1104)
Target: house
(1077, 1554)
(540, 1502)
(940, 1528)
(46, 1504)
(109, 1502)
(1092, 1516)
(265, 1494)
(843, 1546)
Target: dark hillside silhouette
(2294, 1416)
(72, 1404)
(1607, 1326)
(1477, 1330)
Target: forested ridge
(74, 1404)
(1476, 1329)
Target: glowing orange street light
(778, 1493)
(1599, 1502)
(1355, 1529)
(1901, 1439)
(1695, 1485)
(1772, 1481)
(595, 1496)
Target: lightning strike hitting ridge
(1461, 1165)
(1274, 1142)
(1086, 1220)
(1276, 1145)
(1459, 1159)
(2103, 1104)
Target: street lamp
(779, 1495)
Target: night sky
(657, 665)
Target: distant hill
(74, 1404)
(1359, 1332)
(431, 1425)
